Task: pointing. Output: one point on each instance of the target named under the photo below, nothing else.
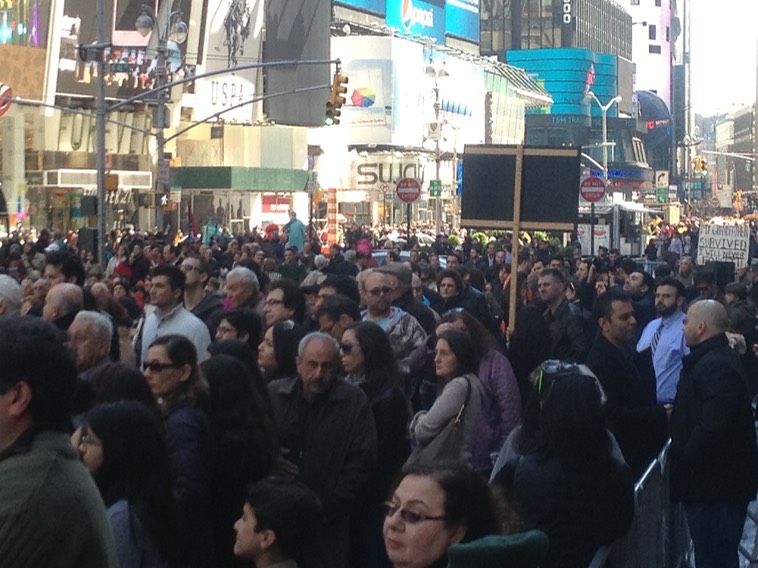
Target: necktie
(656, 337)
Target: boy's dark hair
(32, 350)
(603, 307)
(70, 264)
(288, 508)
(336, 305)
(176, 277)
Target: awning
(240, 178)
(522, 83)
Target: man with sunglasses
(202, 303)
(404, 331)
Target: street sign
(592, 189)
(7, 93)
(661, 179)
(119, 67)
(408, 190)
(715, 201)
(435, 188)
(164, 172)
(662, 194)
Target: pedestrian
(714, 460)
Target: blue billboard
(569, 75)
(371, 6)
(418, 17)
(462, 19)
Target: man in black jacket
(636, 420)
(569, 341)
(714, 461)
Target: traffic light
(703, 166)
(336, 100)
(698, 165)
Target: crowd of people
(252, 401)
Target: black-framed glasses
(272, 302)
(157, 367)
(410, 517)
(347, 347)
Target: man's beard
(665, 311)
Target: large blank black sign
(549, 187)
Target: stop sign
(408, 190)
(592, 189)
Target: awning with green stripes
(240, 178)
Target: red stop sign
(592, 189)
(408, 190)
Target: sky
(723, 54)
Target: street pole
(100, 136)
(604, 121)
(437, 156)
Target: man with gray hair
(714, 460)
(243, 291)
(62, 303)
(327, 434)
(89, 336)
(10, 296)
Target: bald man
(714, 461)
(62, 303)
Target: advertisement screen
(372, 6)
(130, 63)
(462, 19)
(411, 17)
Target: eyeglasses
(88, 440)
(347, 347)
(157, 367)
(379, 291)
(272, 302)
(410, 517)
(189, 267)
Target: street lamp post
(604, 117)
(437, 75)
(175, 30)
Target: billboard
(462, 19)
(233, 37)
(372, 6)
(422, 17)
(135, 54)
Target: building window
(652, 32)
(657, 2)
(635, 2)
(668, 33)
(654, 49)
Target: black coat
(639, 424)
(568, 332)
(713, 450)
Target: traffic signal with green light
(336, 100)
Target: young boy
(280, 519)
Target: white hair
(247, 276)
(101, 324)
(317, 335)
(10, 294)
(319, 261)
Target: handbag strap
(459, 416)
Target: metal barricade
(658, 537)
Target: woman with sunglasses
(569, 484)
(175, 379)
(434, 508)
(122, 446)
(369, 362)
(277, 352)
(456, 363)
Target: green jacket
(51, 512)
